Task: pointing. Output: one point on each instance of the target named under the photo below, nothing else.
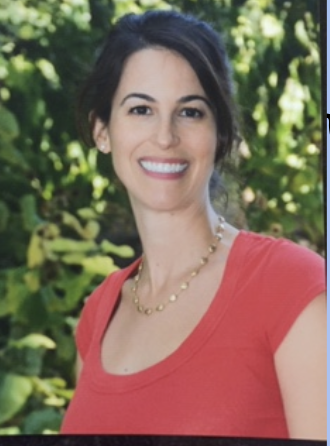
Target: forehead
(157, 68)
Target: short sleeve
(293, 277)
(98, 307)
(91, 312)
(84, 331)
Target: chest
(220, 381)
(133, 341)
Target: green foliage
(63, 215)
(281, 106)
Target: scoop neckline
(104, 381)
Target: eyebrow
(194, 97)
(138, 95)
(183, 100)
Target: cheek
(125, 135)
(206, 144)
(122, 153)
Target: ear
(101, 136)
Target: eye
(192, 112)
(140, 110)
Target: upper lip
(154, 159)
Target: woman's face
(162, 132)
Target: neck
(173, 243)
(203, 260)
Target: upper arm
(300, 363)
(79, 365)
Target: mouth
(164, 167)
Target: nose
(166, 133)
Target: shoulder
(109, 287)
(280, 257)
(280, 279)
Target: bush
(65, 222)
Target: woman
(214, 331)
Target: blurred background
(65, 221)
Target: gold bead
(194, 273)
(160, 307)
(184, 285)
(148, 311)
(136, 300)
(212, 248)
(140, 308)
(173, 298)
(203, 260)
(134, 289)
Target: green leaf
(25, 361)
(121, 251)
(4, 215)
(14, 392)
(87, 214)
(9, 128)
(72, 221)
(99, 265)
(40, 420)
(29, 212)
(62, 244)
(12, 156)
(11, 430)
(74, 258)
(16, 291)
(34, 340)
(32, 280)
(35, 252)
(72, 287)
(91, 230)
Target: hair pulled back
(194, 40)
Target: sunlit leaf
(32, 280)
(35, 252)
(34, 340)
(11, 430)
(48, 70)
(51, 230)
(74, 258)
(99, 265)
(14, 392)
(91, 230)
(68, 245)
(87, 214)
(72, 221)
(121, 251)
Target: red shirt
(221, 381)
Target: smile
(168, 168)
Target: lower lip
(164, 175)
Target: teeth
(163, 167)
